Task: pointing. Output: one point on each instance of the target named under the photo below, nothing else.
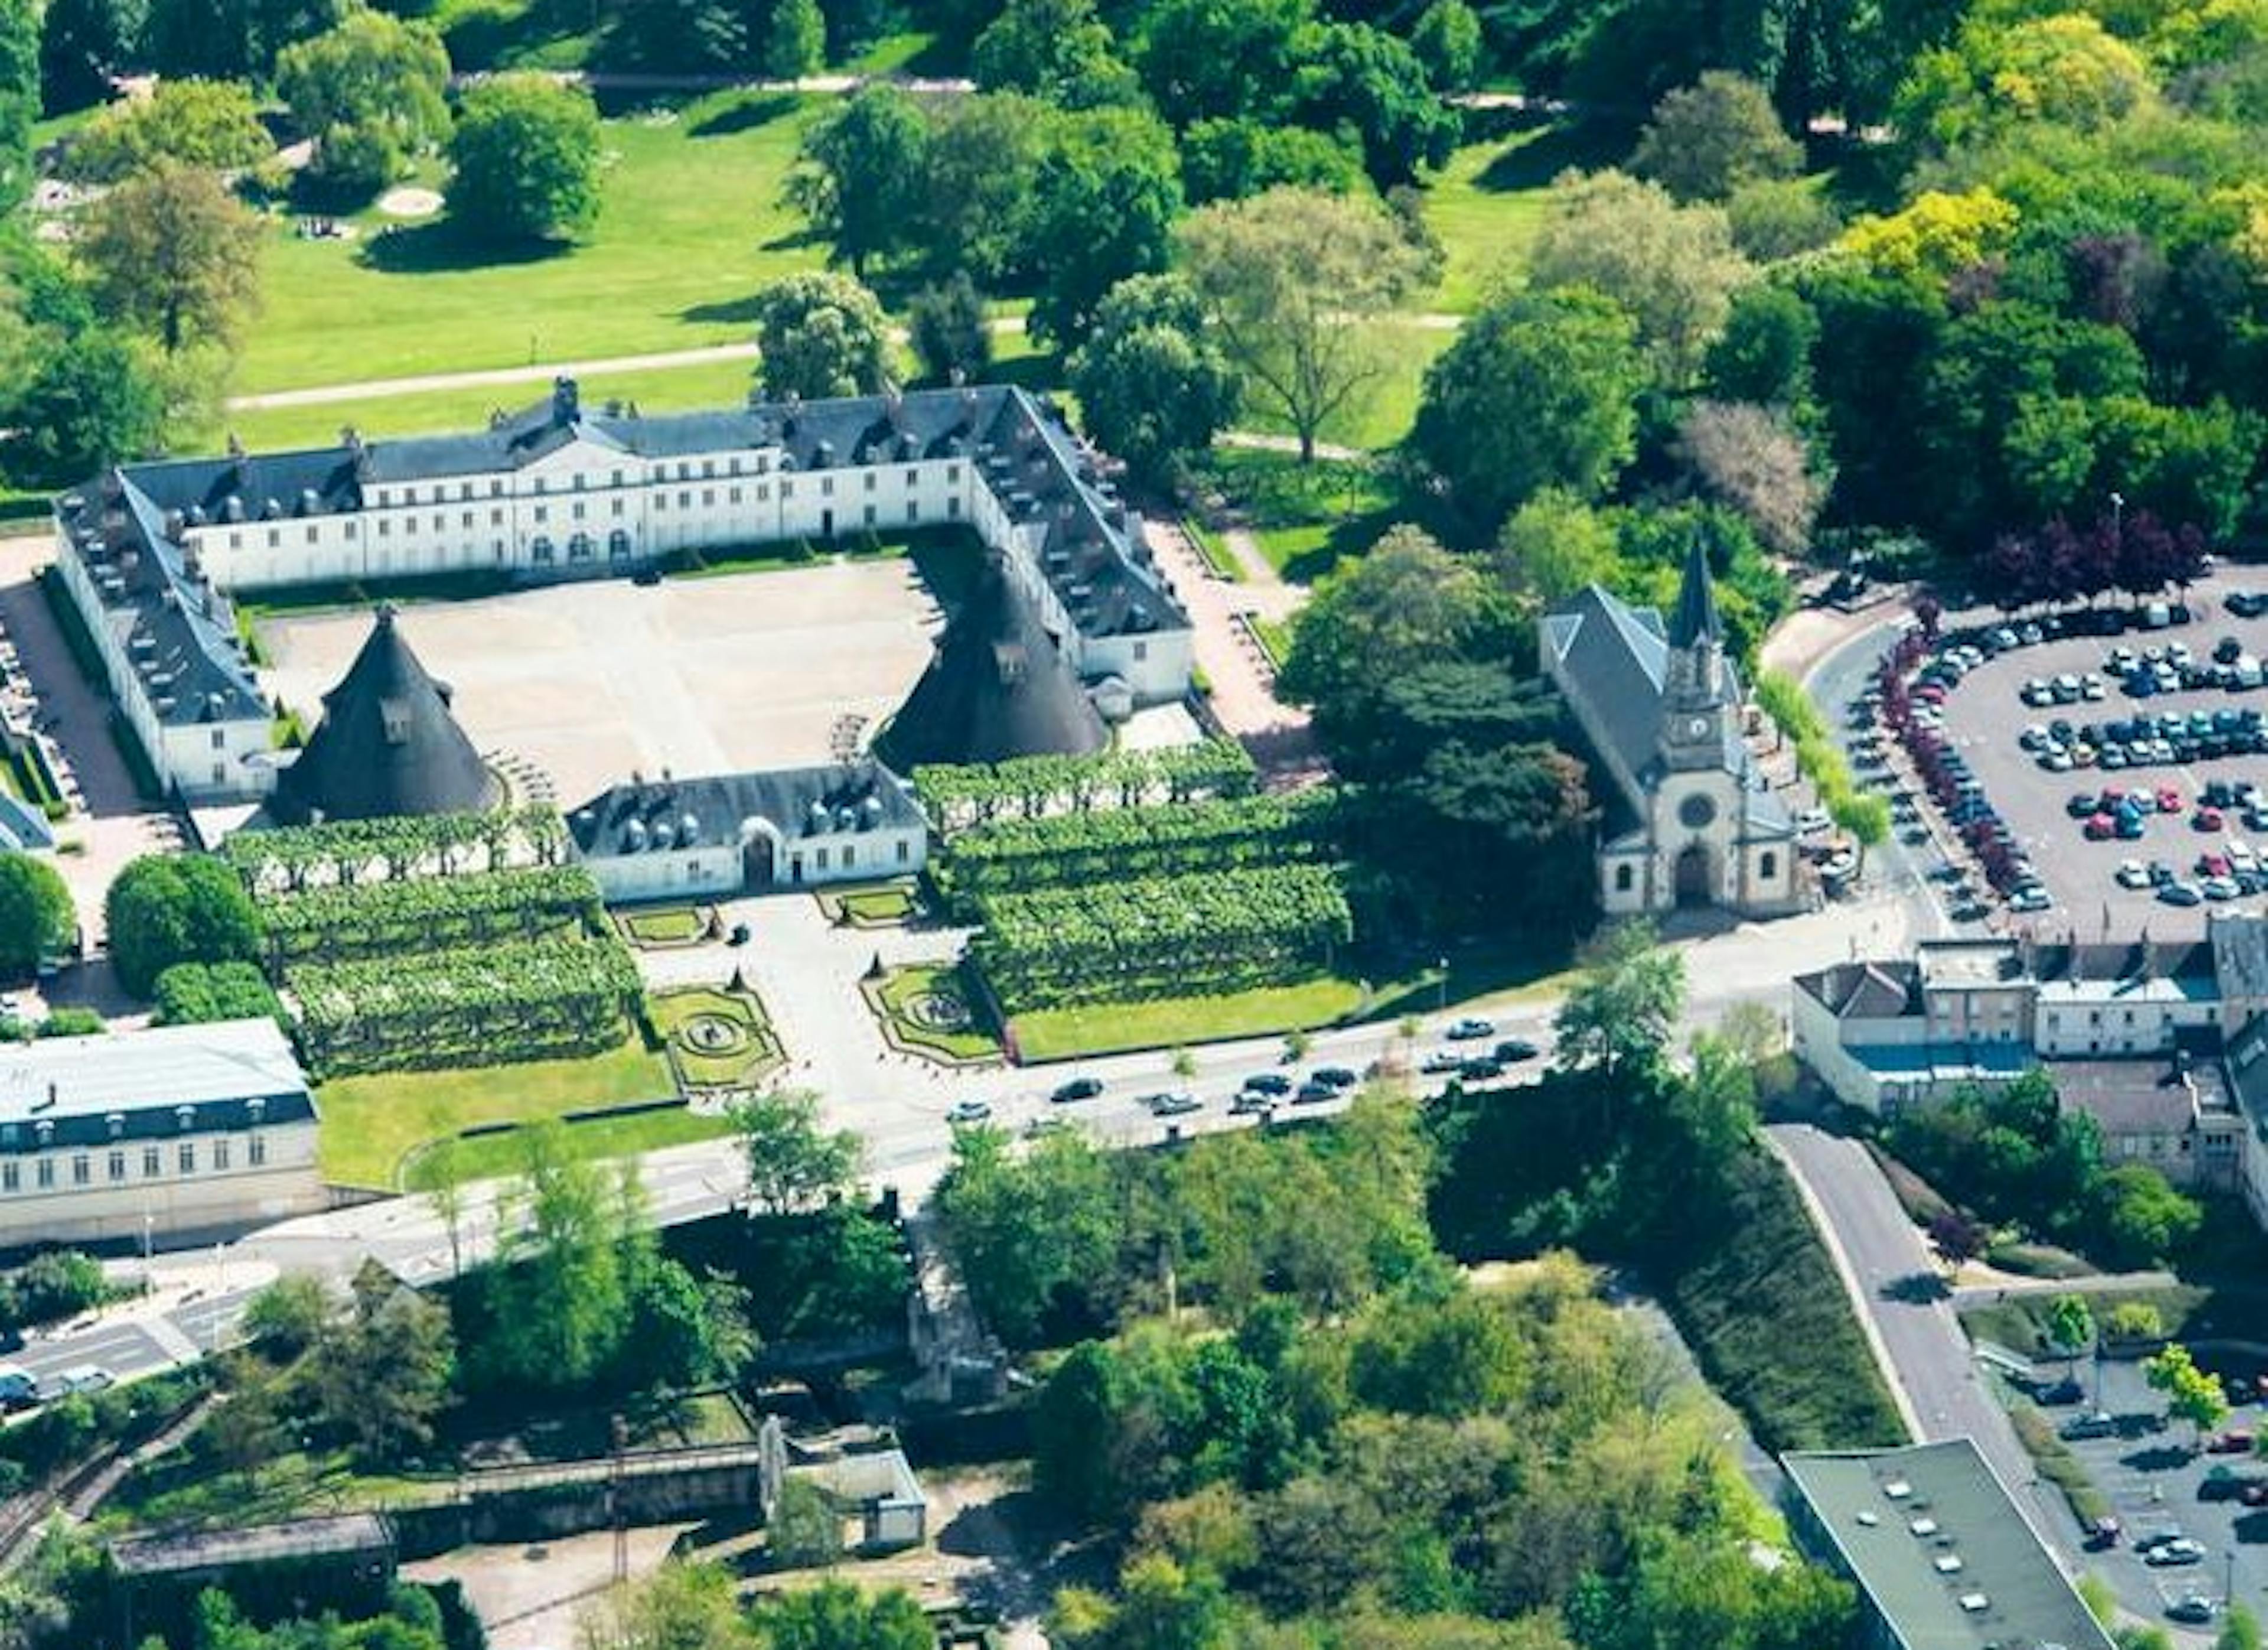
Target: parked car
(1248, 1101)
(2093, 1424)
(2180, 893)
(2056, 1393)
(1174, 1103)
(967, 1111)
(88, 1378)
(1470, 1030)
(2103, 1535)
(1481, 1069)
(2195, 1610)
(2171, 1554)
(1512, 1051)
(1336, 1076)
(19, 1387)
(2101, 829)
(2235, 1440)
(1312, 1093)
(1075, 1089)
(2133, 875)
(1268, 1083)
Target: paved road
(1901, 1294)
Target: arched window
(539, 548)
(1622, 878)
(1768, 866)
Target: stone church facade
(1688, 820)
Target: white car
(2133, 874)
(1814, 821)
(966, 1111)
(84, 1378)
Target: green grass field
(1304, 517)
(495, 1156)
(1381, 412)
(1486, 204)
(1062, 1033)
(662, 925)
(737, 1065)
(691, 224)
(894, 999)
(369, 1123)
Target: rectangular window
(850, 855)
(662, 501)
(151, 1166)
(821, 859)
(618, 478)
(117, 1166)
(189, 1157)
(47, 1174)
(543, 512)
(708, 498)
(734, 466)
(539, 486)
(385, 528)
(350, 531)
(219, 739)
(708, 469)
(952, 474)
(787, 490)
(495, 517)
(274, 537)
(827, 487)
(578, 510)
(81, 1170)
(905, 850)
(952, 508)
(468, 521)
(870, 515)
(236, 540)
(870, 481)
(733, 496)
(685, 499)
(913, 509)
(255, 1150)
(441, 522)
(220, 1154)
(764, 492)
(618, 509)
(314, 533)
(495, 489)
(8, 1179)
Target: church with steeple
(1687, 819)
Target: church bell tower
(1693, 695)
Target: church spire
(1695, 619)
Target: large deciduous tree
(211, 124)
(172, 255)
(90, 399)
(675, 35)
(164, 909)
(861, 174)
(795, 44)
(1205, 59)
(1291, 281)
(1103, 200)
(794, 1164)
(1671, 267)
(383, 1369)
(525, 160)
(371, 93)
(1152, 382)
(1751, 459)
(682, 1606)
(1364, 80)
(820, 335)
(1619, 1017)
(840, 1615)
(1058, 50)
(1707, 139)
(951, 335)
(36, 915)
(1538, 390)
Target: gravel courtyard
(591, 681)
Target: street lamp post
(2118, 517)
(1441, 980)
(2228, 1586)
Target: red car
(2235, 1441)
(2213, 865)
(2205, 819)
(2101, 829)
(2170, 801)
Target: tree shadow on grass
(744, 114)
(1533, 164)
(1917, 1288)
(1350, 537)
(732, 311)
(442, 245)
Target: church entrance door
(757, 865)
(1693, 877)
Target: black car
(1512, 1051)
(1481, 1069)
(739, 935)
(1336, 1077)
(1268, 1083)
(1312, 1093)
(2059, 1392)
(1076, 1088)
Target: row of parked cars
(2143, 741)
(20, 1389)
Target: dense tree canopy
(1152, 384)
(170, 253)
(205, 123)
(37, 918)
(524, 160)
(164, 909)
(820, 335)
(372, 93)
(89, 400)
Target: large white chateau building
(149, 552)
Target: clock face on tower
(1697, 728)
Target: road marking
(171, 1339)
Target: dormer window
(116, 1123)
(257, 1108)
(186, 1117)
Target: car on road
(963, 1112)
(2031, 897)
(2196, 1611)
(1481, 1069)
(19, 1387)
(1470, 1030)
(1314, 1092)
(87, 1378)
(2055, 1394)
(1512, 1051)
(2093, 1424)
(2169, 1555)
(739, 935)
(1250, 1102)
(1173, 1102)
(1075, 1089)
(1441, 1061)
(1336, 1076)
(2235, 1440)
(1268, 1083)
(2179, 892)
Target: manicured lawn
(664, 389)
(369, 1123)
(1381, 413)
(898, 999)
(1062, 1033)
(663, 925)
(692, 222)
(1486, 203)
(1304, 517)
(878, 907)
(493, 1156)
(749, 1051)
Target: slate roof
(1864, 990)
(1696, 602)
(2006, 1591)
(667, 814)
(2151, 1095)
(2240, 953)
(999, 686)
(192, 1551)
(129, 1085)
(386, 745)
(23, 828)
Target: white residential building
(171, 1133)
(151, 551)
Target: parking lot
(2157, 1481)
(2168, 768)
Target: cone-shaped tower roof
(1000, 686)
(387, 745)
(1696, 602)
